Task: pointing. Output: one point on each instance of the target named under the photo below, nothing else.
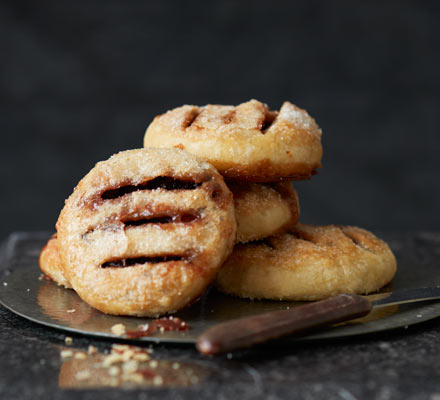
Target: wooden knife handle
(245, 332)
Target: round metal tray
(24, 292)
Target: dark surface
(402, 364)
(81, 80)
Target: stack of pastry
(276, 257)
(147, 231)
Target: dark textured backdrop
(80, 80)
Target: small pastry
(247, 142)
(145, 232)
(308, 263)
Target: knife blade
(246, 332)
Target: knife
(246, 332)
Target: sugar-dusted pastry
(308, 263)
(247, 142)
(263, 209)
(50, 262)
(146, 231)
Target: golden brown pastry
(146, 231)
(308, 263)
(263, 210)
(247, 142)
(50, 262)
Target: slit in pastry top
(269, 119)
(183, 218)
(155, 219)
(130, 262)
(161, 182)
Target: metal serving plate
(24, 292)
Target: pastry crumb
(113, 371)
(81, 375)
(157, 381)
(66, 353)
(176, 365)
(141, 357)
(118, 329)
(111, 359)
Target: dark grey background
(80, 80)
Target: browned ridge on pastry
(308, 263)
(145, 232)
(247, 142)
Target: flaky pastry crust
(247, 142)
(263, 210)
(146, 231)
(50, 262)
(308, 263)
